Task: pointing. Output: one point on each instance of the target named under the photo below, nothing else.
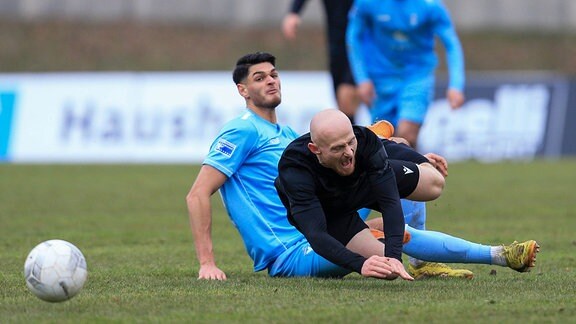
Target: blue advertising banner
(7, 100)
(173, 117)
(506, 116)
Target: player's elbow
(189, 198)
(193, 197)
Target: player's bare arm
(290, 25)
(366, 92)
(209, 180)
(455, 98)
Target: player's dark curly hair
(245, 62)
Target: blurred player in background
(336, 14)
(393, 60)
(242, 164)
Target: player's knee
(431, 182)
(437, 185)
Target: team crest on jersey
(274, 141)
(225, 147)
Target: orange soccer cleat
(378, 234)
(382, 128)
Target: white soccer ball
(55, 270)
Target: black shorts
(337, 24)
(397, 151)
(345, 227)
(407, 176)
(340, 71)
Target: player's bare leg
(430, 184)
(375, 223)
(365, 244)
(408, 130)
(348, 100)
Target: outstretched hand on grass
(211, 272)
(384, 268)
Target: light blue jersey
(247, 151)
(395, 38)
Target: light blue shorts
(402, 99)
(301, 261)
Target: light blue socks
(439, 247)
(436, 246)
(414, 213)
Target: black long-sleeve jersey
(323, 205)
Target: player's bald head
(327, 125)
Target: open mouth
(346, 163)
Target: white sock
(498, 257)
(415, 262)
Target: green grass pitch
(131, 223)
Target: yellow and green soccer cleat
(434, 269)
(521, 256)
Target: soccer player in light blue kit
(392, 57)
(391, 51)
(242, 164)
